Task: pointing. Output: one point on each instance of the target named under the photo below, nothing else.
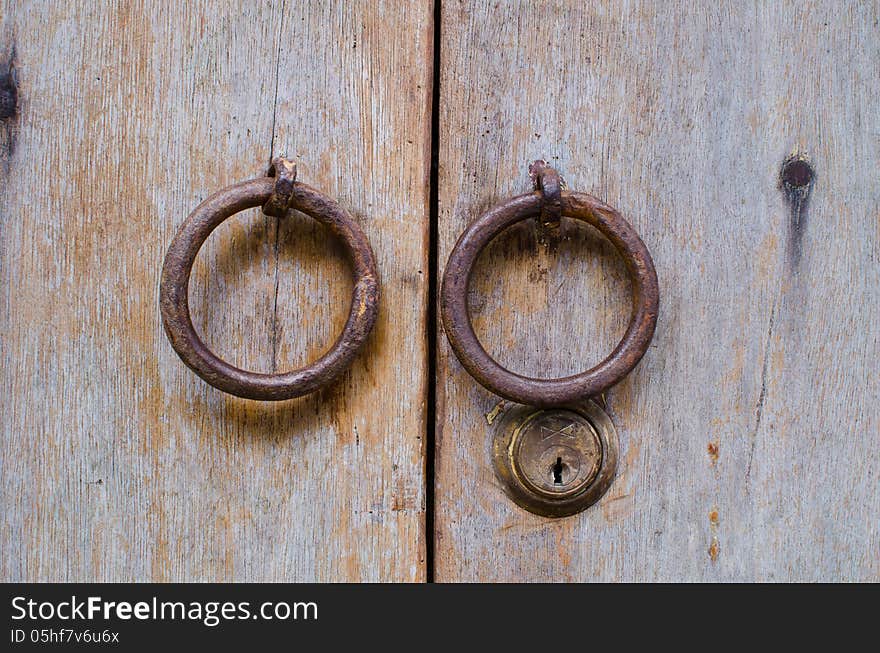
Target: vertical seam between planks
(433, 272)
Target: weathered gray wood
(118, 463)
(750, 432)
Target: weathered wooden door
(749, 433)
(119, 463)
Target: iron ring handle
(277, 195)
(547, 393)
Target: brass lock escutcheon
(555, 461)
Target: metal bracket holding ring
(277, 194)
(562, 418)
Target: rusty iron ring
(548, 393)
(174, 288)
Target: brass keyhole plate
(555, 462)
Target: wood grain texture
(118, 463)
(750, 431)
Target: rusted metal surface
(284, 171)
(548, 182)
(555, 462)
(549, 392)
(277, 195)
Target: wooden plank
(749, 432)
(118, 463)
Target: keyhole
(557, 472)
